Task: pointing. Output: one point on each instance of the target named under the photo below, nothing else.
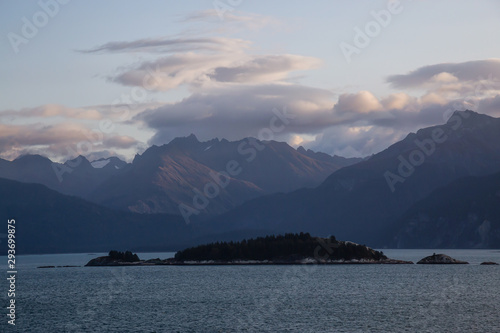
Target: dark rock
(440, 259)
(109, 261)
(489, 263)
(156, 261)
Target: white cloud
(443, 77)
(361, 102)
(398, 101)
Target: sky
(111, 78)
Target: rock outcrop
(116, 258)
(440, 259)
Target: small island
(116, 258)
(442, 259)
(288, 249)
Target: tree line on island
(126, 256)
(281, 247)
(287, 249)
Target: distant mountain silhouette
(225, 173)
(74, 177)
(463, 214)
(362, 202)
(50, 222)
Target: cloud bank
(234, 91)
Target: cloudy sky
(348, 77)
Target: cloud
(96, 155)
(64, 140)
(445, 73)
(172, 45)
(240, 98)
(246, 110)
(355, 141)
(54, 110)
(241, 111)
(357, 124)
(202, 70)
(199, 61)
(361, 102)
(119, 141)
(444, 77)
(264, 68)
(398, 101)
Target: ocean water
(350, 298)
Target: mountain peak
(301, 150)
(32, 158)
(192, 137)
(185, 140)
(80, 161)
(470, 118)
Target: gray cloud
(264, 68)
(240, 111)
(119, 141)
(171, 45)
(465, 71)
(58, 140)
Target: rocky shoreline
(288, 249)
(105, 261)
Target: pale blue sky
(50, 69)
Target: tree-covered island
(282, 249)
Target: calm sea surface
(351, 298)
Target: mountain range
(50, 222)
(463, 214)
(364, 202)
(76, 177)
(438, 187)
(164, 177)
(224, 173)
